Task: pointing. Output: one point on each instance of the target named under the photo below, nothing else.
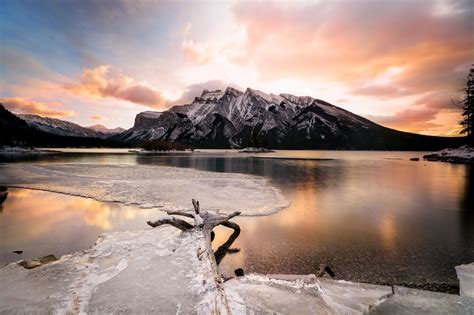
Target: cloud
(413, 120)
(426, 113)
(104, 81)
(381, 91)
(27, 106)
(353, 43)
(98, 117)
(407, 116)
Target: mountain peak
(103, 129)
(272, 98)
(211, 93)
(231, 90)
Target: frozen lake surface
(372, 216)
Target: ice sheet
(168, 188)
(151, 271)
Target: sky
(399, 63)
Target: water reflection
(225, 249)
(42, 223)
(467, 204)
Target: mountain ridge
(60, 127)
(14, 131)
(236, 119)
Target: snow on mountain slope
(103, 129)
(60, 127)
(232, 118)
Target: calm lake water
(371, 216)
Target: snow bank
(464, 154)
(168, 188)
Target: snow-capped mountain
(60, 127)
(105, 130)
(67, 128)
(16, 131)
(233, 119)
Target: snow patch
(464, 154)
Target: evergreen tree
(467, 104)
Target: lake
(371, 216)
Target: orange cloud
(103, 81)
(98, 117)
(409, 118)
(27, 106)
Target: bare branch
(184, 214)
(215, 220)
(196, 206)
(231, 225)
(177, 223)
(202, 219)
(233, 214)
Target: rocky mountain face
(235, 119)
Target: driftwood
(204, 222)
(202, 219)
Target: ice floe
(168, 188)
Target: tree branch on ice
(202, 219)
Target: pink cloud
(354, 42)
(27, 106)
(104, 81)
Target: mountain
(105, 130)
(235, 119)
(15, 131)
(60, 127)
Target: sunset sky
(399, 63)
